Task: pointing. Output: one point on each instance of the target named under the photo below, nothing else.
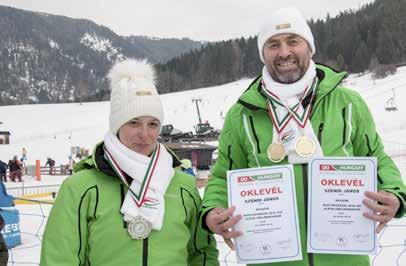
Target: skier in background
(15, 167)
(51, 163)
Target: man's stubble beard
(291, 76)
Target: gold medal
(305, 146)
(276, 152)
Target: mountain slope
(50, 59)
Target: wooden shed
(199, 154)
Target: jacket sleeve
(65, 238)
(367, 142)
(202, 245)
(231, 156)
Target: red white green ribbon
(292, 112)
(139, 198)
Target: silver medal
(139, 228)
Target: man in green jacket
(295, 107)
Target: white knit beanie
(133, 93)
(285, 20)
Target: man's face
(140, 134)
(287, 57)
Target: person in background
(15, 167)
(293, 112)
(71, 163)
(24, 154)
(3, 171)
(128, 203)
(23, 159)
(51, 163)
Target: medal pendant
(276, 152)
(139, 228)
(305, 147)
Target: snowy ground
(50, 130)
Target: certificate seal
(276, 152)
(139, 228)
(305, 147)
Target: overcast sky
(211, 20)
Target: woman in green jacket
(128, 204)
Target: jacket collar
(329, 79)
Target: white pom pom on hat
(285, 20)
(133, 93)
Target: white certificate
(336, 191)
(266, 199)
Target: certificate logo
(245, 179)
(341, 241)
(265, 249)
(341, 167)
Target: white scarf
(135, 165)
(290, 95)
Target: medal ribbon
(273, 101)
(138, 198)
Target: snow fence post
(38, 170)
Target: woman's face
(140, 134)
